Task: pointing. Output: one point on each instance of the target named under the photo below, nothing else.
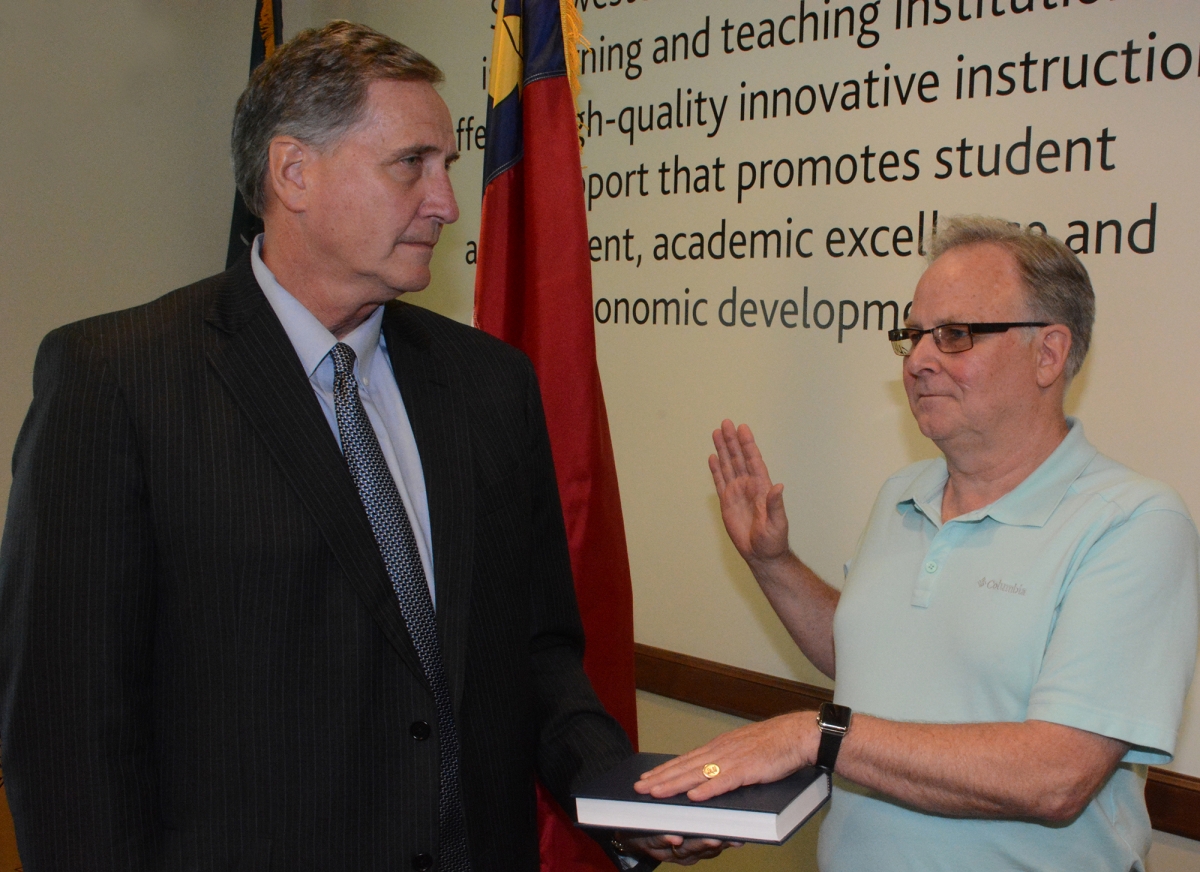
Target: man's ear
(288, 161)
(1053, 348)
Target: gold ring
(711, 770)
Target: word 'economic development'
(689, 311)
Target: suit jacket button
(422, 862)
(420, 731)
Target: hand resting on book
(757, 753)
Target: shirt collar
(1029, 504)
(924, 493)
(311, 339)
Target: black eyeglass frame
(896, 337)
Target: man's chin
(410, 281)
(933, 427)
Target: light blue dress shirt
(1072, 599)
(376, 386)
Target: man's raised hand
(751, 506)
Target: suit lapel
(258, 365)
(440, 422)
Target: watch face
(834, 717)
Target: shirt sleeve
(1123, 649)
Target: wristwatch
(834, 721)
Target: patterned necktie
(398, 545)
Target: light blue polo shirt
(1071, 599)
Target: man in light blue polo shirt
(1018, 627)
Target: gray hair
(315, 89)
(1057, 286)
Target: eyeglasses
(951, 338)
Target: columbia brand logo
(996, 584)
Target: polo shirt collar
(1029, 504)
(924, 493)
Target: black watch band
(834, 721)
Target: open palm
(751, 506)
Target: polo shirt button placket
(926, 579)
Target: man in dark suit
(284, 583)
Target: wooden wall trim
(1172, 798)
(750, 695)
(1174, 802)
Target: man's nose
(924, 355)
(439, 199)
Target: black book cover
(616, 785)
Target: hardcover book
(767, 813)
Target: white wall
(115, 180)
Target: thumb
(775, 510)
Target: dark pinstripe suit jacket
(203, 664)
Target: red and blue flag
(533, 288)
